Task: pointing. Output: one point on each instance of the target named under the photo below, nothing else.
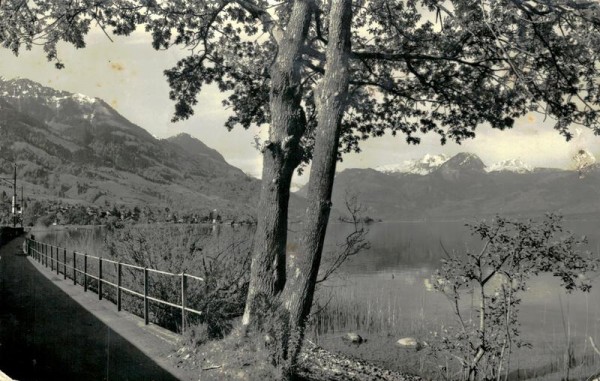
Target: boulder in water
(353, 338)
(409, 343)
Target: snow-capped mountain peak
(423, 166)
(60, 108)
(20, 88)
(81, 98)
(512, 165)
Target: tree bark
(281, 155)
(331, 100)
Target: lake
(384, 294)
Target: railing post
(51, 258)
(146, 317)
(119, 286)
(74, 269)
(46, 254)
(183, 300)
(85, 273)
(57, 261)
(100, 278)
(65, 263)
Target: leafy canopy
(416, 65)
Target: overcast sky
(128, 74)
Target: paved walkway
(47, 334)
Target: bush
(219, 255)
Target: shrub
(220, 255)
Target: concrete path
(52, 330)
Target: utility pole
(22, 208)
(15, 200)
(14, 203)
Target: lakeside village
(57, 213)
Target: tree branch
(265, 18)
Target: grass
(238, 356)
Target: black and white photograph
(300, 190)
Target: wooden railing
(57, 258)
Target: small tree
(354, 243)
(512, 253)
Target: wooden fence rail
(45, 254)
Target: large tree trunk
(280, 157)
(331, 102)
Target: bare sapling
(487, 331)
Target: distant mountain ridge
(429, 163)
(511, 165)
(76, 148)
(422, 166)
(464, 187)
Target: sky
(128, 74)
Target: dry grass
(239, 357)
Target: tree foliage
(416, 66)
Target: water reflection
(394, 274)
(396, 270)
(387, 289)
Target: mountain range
(430, 163)
(462, 186)
(77, 149)
(74, 149)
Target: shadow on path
(45, 335)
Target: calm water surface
(391, 280)
(393, 277)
